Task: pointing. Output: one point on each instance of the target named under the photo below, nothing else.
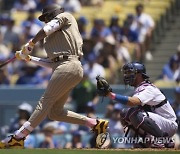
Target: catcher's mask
(130, 70)
(49, 12)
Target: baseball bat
(7, 62)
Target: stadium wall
(11, 97)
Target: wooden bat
(7, 62)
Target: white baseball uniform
(164, 116)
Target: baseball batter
(63, 44)
(152, 114)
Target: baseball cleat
(2, 145)
(12, 143)
(100, 130)
(100, 127)
(103, 140)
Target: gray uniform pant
(67, 74)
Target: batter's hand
(20, 56)
(28, 47)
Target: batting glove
(28, 47)
(20, 56)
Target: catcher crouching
(150, 114)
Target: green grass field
(87, 151)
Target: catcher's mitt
(103, 87)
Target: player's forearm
(39, 36)
(125, 100)
(133, 101)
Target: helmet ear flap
(48, 17)
(56, 12)
(135, 70)
(50, 11)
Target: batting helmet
(50, 11)
(131, 69)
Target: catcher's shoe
(12, 143)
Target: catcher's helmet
(131, 69)
(50, 11)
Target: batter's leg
(58, 113)
(65, 77)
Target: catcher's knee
(145, 123)
(137, 119)
(123, 113)
(127, 113)
(124, 116)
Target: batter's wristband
(119, 98)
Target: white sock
(24, 131)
